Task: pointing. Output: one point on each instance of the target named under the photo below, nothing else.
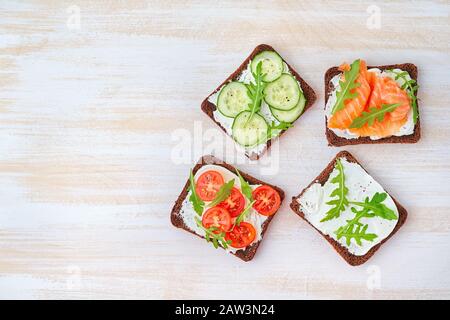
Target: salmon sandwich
(371, 104)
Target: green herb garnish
(411, 86)
(245, 187)
(273, 129)
(243, 214)
(211, 235)
(370, 208)
(223, 193)
(355, 230)
(255, 91)
(373, 114)
(340, 192)
(197, 203)
(347, 86)
(374, 207)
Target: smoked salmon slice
(385, 91)
(373, 92)
(354, 107)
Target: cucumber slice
(251, 133)
(233, 99)
(272, 65)
(283, 94)
(290, 115)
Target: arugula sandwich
(350, 209)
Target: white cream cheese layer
(188, 213)
(406, 129)
(360, 185)
(246, 77)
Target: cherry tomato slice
(217, 217)
(234, 204)
(267, 200)
(208, 184)
(241, 236)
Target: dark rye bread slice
(178, 222)
(308, 92)
(343, 251)
(335, 140)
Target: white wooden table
(95, 94)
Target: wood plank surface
(100, 122)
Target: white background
(90, 113)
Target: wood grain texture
(91, 119)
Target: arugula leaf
(241, 217)
(273, 129)
(197, 203)
(340, 192)
(347, 86)
(223, 193)
(373, 114)
(255, 91)
(376, 207)
(370, 208)
(354, 231)
(279, 127)
(245, 187)
(412, 87)
(217, 239)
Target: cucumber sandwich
(259, 101)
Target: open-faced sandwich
(259, 101)
(228, 208)
(350, 209)
(371, 104)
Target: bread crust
(178, 222)
(335, 140)
(351, 259)
(208, 107)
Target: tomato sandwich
(228, 208)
